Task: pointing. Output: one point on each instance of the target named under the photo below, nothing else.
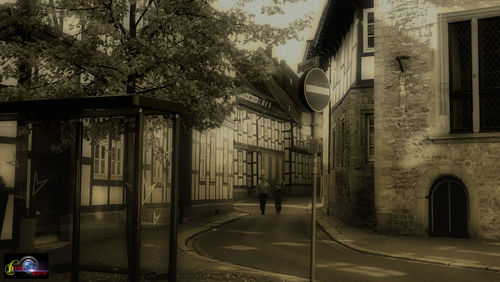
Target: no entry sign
(316, 90)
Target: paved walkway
(194, 267)
(469, 253)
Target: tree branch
(116, 23)
(54, 82)
(144, 12)
(152, 89)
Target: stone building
(343, 45)
(437, 117)
(414, 117)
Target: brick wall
(350, 196)
(413, 146)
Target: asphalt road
(282, 244)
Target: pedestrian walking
(263, 190)
(278, 195)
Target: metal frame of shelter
(130, 106)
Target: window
(342, 144)
(249, 130)
(370, 148)
(108, 153)
(368, 30)
(489, 71)
(203, 156)
(225, 166)
(212, 157)
(474, 68)
(244, 166)
(100, 160)
(273, 130)
(249, 162)
(460, 52)
(117, 159)
(332, 149)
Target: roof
(281, 89)
(336, 18)
(65, 108)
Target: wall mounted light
(400, 63)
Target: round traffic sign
(316, 90)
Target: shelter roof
(105, 106)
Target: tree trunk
(133, 32)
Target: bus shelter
(92, 182)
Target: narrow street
(281, 244)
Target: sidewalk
(454, 252)
(194, 267)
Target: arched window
(448, 205)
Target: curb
(341, 239)
(185, 237)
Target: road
(282, 244)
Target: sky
(293, 51)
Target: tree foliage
(183, 50)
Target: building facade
(267, 136)
(344, 44)
(414, 118)
(437, 117)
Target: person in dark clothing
(278, 196)
(263, 190)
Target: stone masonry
(413, 144)
(351, 194)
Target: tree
(183, 50)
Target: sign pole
(313, 219)
(312, 265)
(315, 94)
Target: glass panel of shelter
(45, 154)
(155, 191)
(37, 190)
(103, 212)
(39, 168)
(8, 167)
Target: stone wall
(413, 145)
(351, 195)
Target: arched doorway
(448, 204)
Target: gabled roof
(335, 21)
(282, 90)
